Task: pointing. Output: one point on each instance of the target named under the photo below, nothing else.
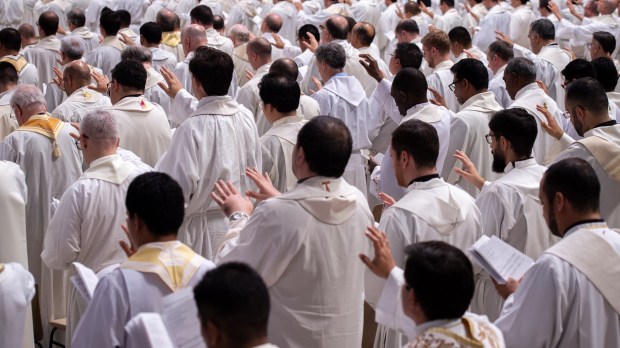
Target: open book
(177, 326)
(85, 280)
(499, 259)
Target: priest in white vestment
(143, 126)
(520, 21)
(46, 53)
(203, 16)
(240, 36)
(497, 19)
(449, 17)
(108, 54)
(430, 210)
(16, 290)
(259, 57)
(461, 46)
(428, 301)
(343, 97)
(321, 242)
(152, 91)
(214, 142)
(76, 20)
(85, 226)
(387, 24)
(498, 56)
(362, 37)
(600, 143)
(154, 213)
(8, 82)
(469, 126)
(94, 10)
(80, 98)
(43, 148)
(288, 13)
(136, 9)
(436, 49)
(571, 292)
(151, 37)
(280, 99)
(520, 78)
(10, 45)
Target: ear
(211, 334)
(558, 201)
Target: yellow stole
(47, 126)
(171, 38)
(173, 262)
(18, 63)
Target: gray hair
(522, 67)
(99, 124)
(76, 17)
(139, 53)
(543, 28)
(28, 96)
(239, 32)
(332, 54)
(73, 47)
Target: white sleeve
(389, 311)
(61, 246)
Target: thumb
(366, 261)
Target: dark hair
(460, 35)
(420, 140)
(409, 55)
(576, 180)
(260, 46)
(606, 73)
(425, 2)
(350, 23)
(543, 28)
(502, 49)
(522, 67)
(411, 81)
(365, 33)
(202, 14)
(158, 200)
(110, 21)
(408, 25)
(130, 73)
(606, 40)
(286, 67)
(166, 22)
(213, 69)
(589, 94)
(518, 127)
(442, 277)
(48, 21)
(449, 3)
(10, 39)
(76, 17)
(309, 28)
(8, 73)
(544, 4)
(218, 22)
(577, 69)
(337, 30)
(327, 145)
(332, 54)
(125, 17)
(473, 71)
(280, 91)
(151, 32)
(234, 298)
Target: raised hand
(128, 248)
(126, 39)
(318, 84)
(101, 82)
(551, 126)
(469, 173)
(58, 79)
(230, 200)
(438, 99)
(388, 201)
(172, 85)
(383, 262)
(371, 66)
(266, 189)
(312, 45)
(501, 36)
(279, 43)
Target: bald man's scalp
(273, 21)
(79, 71)
(365, 33)
(195, 32)
(260, 46)
(285, 66)
(26, 30)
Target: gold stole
(47, 126)
(174, 262)
(171, 38)
(18, 63)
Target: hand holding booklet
(500, 259)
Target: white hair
(28, 96)
(73, 46)
(99, 124)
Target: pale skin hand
(472, 55)
(58, 79)
(312, 45)
(501, 36)
(101, 82)
(472, 13)
(551, 127)
(383, 262)
(388, 201)
(542, 86)
(470, 173)
(572, 10)
(438, 98)
(128, 248)
(505, 290)
(400, 13)
(318, 84)
(230, 200)
(555, 10)
(172, 85)
(249, 74)
(371, 66)
(126, 39)
(425, 9)
(266, 189)
(279, 43)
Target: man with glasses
(510, 206)
(45, 151)
(86, 225)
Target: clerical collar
(583, 222)
(424, 178)
(606, 124)
(304, 179)
(130, 96)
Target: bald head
(239, 34)
(166, 20)
(337, 28)
(363, 35)
(79, 71)
(286, 67)
(259, 52)
(272, 23)
(192, 37)
(48, 23)
(26, 31)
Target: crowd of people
(317, 171)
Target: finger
(461, 172)
(256, 195)
(220, 188)
(74, 136)
(217, 199)
(366, 260)
(126, 248)
(164, 87)
(231, 187)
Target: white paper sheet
(499, 259)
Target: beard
(552, 223)
(578, 126)
(499, 162)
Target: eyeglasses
(321, 27)
(453, 84)
(77, 141)
(566, 114)
(489, 138)
(589, 46)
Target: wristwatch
(238, 215)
